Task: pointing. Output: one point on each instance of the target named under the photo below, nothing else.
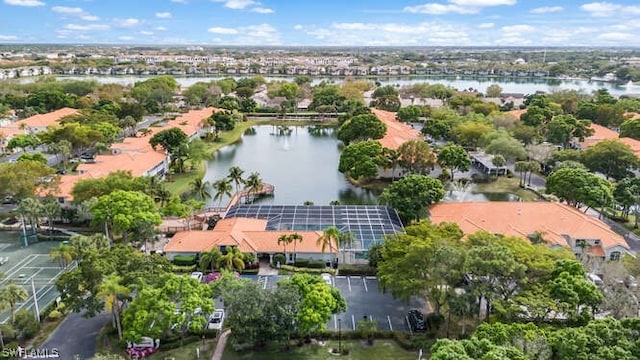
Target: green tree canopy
(610, 157)
(412, 195)
(361, 160)
(170, 139)
(578, 187)
(125, 210)
(361, 127)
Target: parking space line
(353, 322)
(349, 282)
(409, 325)
(266, 279)
(337, 276)
(365, 284)
(389, 320)
(335, 321)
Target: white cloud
(517, 29)
(8, 37)
(27, 3)
(605, 9)
(129, 22)
(237, 4)
(161, 28)
(456, 6)
(67, 10)
(298, 27)
(89, 18)
(125, 38)
(163, 15)
(439, 9)
(546, 9)
(616, 36)
(86, 27)
(262, 10)
(148, 33)
(353, 26)
(221, 30)
(179, 1)
(486, 25)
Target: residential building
(397, 132)
(32, 125)
(559, 224)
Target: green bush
(307, 270)
(279, 258)
(301, 263)
(54, 315)
(183, 269)
(356, 269)
(250, 271)
(176, 342)
(184, 260)
(434, 321)
(26, 324)
(9, 332)
(317, 264)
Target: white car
(327, 278)
(197, 275)
(216, 320)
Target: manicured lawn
(506, 185)
(381, 349)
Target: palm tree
(329, 239)
(31, 209)
(232, 260)
(254, 183)
(109, 291)
(295, 238)
(521, 167)
(63, 253)
(200, 189)
(345, 239)
(51, 209)
(209, 259)
(3, 306)
(12, 294)
(235, 175)
(284, 240)
(222, 188)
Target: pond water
(303, 166)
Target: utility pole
(35, 299)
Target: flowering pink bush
(212, 277)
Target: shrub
(26, 324)
(54, 315)
(9, 332)
(279, 258)
(317, 264)
(250, 271)
(184, 260)
(183, 269)
(306, 270)
(301, 263)
(434, 321)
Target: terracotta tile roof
(133, 154)
(45, 120)
(524, 218)
(397, 132)
(248, 234)
(632, 143)
(600, 133)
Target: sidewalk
(222, 342)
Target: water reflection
(302, 167)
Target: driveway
(76, 336)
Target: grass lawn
(359, 350)
(188, 352)
(180, 183)
(506, 185)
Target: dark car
(416, 320)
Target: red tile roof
(599, 133)
(249, 235)
(524, 218)
(397, 132)
(45, 120)
(516, 113)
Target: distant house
(560, 225)
(32, 125)
(397, 132)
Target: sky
(323, 22)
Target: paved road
(77, 336)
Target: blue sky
(323, 22)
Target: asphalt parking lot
(363, 299)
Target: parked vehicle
(327, 278)
(595, 279)
(416, 320)
(216, 320)
(197, 275)
(630, 282)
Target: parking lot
(363, 299)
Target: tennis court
(30, 267)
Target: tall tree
(416, 157)
(222, 188)
(578, 187)
(200, 189)
(64, 254)
(361, 127)
(254, 184)
(454, 157)
(125, 210)
(295, 238)
(170, 139)
(612, 158)
(232, 259)
(284, 240)
(111, 291)
(12, 294)
(210, 259)
(412, 195)
(329, 239)
(361, 160)
(235, 175)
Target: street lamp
(340, 336)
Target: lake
(509, 85)
(302, 166)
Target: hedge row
(295, 269)
(308, 263)
(183, 269)
(354, 269)
(184, 260)
(403, 339)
